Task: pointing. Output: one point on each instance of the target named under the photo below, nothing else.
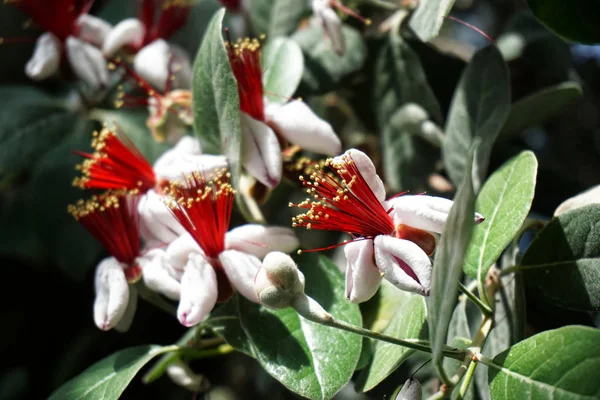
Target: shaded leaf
(277, 17)
(283, 65)
(459, 335)
(379, 311)
(576, 20)
(429, 17)
(504, 201)
(534, 366)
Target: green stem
(466, 381)
(485, 309)
(510, 270)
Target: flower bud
(411, 390)
(87, 63)
(181, 374)
(112, 294)
(92, 29)
(45, 59)
(279, 281)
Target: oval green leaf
(283, 65)
(479, 108)
(409, 322)
(429, 17)
(558, 364)
(575, 20)
(504, 201)
(277, 17)
(108, 378)
(562, 264)
(311, 360)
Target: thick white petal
(180, 250)
(125, 322)
(152, 63)
(87, 63)
(366, 169)
(129, 32)
(158, 226)
(398, 259)
(198, 291)
(158, 275)
(93, 29)
(296, 122)
(177, 162)
(45, 59)
(261, 153)
(362, 275)
(241, 268)
(259, 240)
(332, 27)
(112, 293)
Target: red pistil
(112, 218)
(203, 207)
(116, 164)
(244, 57)
(343, 201)
(56, 16)
(163, 18)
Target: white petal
(241, 268)
(152, 63)
(399, 259)
(261, 153)
(158, 226)
(180, 250)
(362, 275)
(259, 240)
(296, 122)
(125, 322)
(129, 32)
(180, 160)
(158, 274)
(198, 291)
(181, 67)
(93, 29)
(590, 196)
(181, 374)
(87, 63)
(332, 27)
(112, 293)
(45, 59)
(366, 169)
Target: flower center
(203, 207)
(342, 201)
(115, 164)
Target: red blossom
(115, 164)
(163, 18)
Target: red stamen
(172, 15)
(203, 207)
(343, 203)
(476, 29)
(116, 164)
(112, 218)
(244, 57)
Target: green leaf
(479, 108)
(324, 68)
(31, 123)
(504, 201)
(459, 335)
(562, 264)
(575, 20)
(283, 65)
(409, 322)
(379, 311)
(277, 17)
(539, 107)
(561, 363)
(427, 20)
(225, 322)
(311, 360)
(448, 263)
(108, 378)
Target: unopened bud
(410, 391)
(278, 282)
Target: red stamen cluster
(342, 201)
(112, 219)
(244, 57)
(203, 207)
(55, 16)
(163, 18)
(115, 164)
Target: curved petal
(158, 226)
(87, 63)
(129, 32)
(152, 63)
(366, 169)
(158, 274)
(259, 240)
(198, 291)
(362, 275)
(296, 122)
(404, 264)
(180, 250)
(261, 153)
(112, 293)
(177, 166)
(125, 322)
(241, 268)
(45, 59)
(332, 25)
(92, 29)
